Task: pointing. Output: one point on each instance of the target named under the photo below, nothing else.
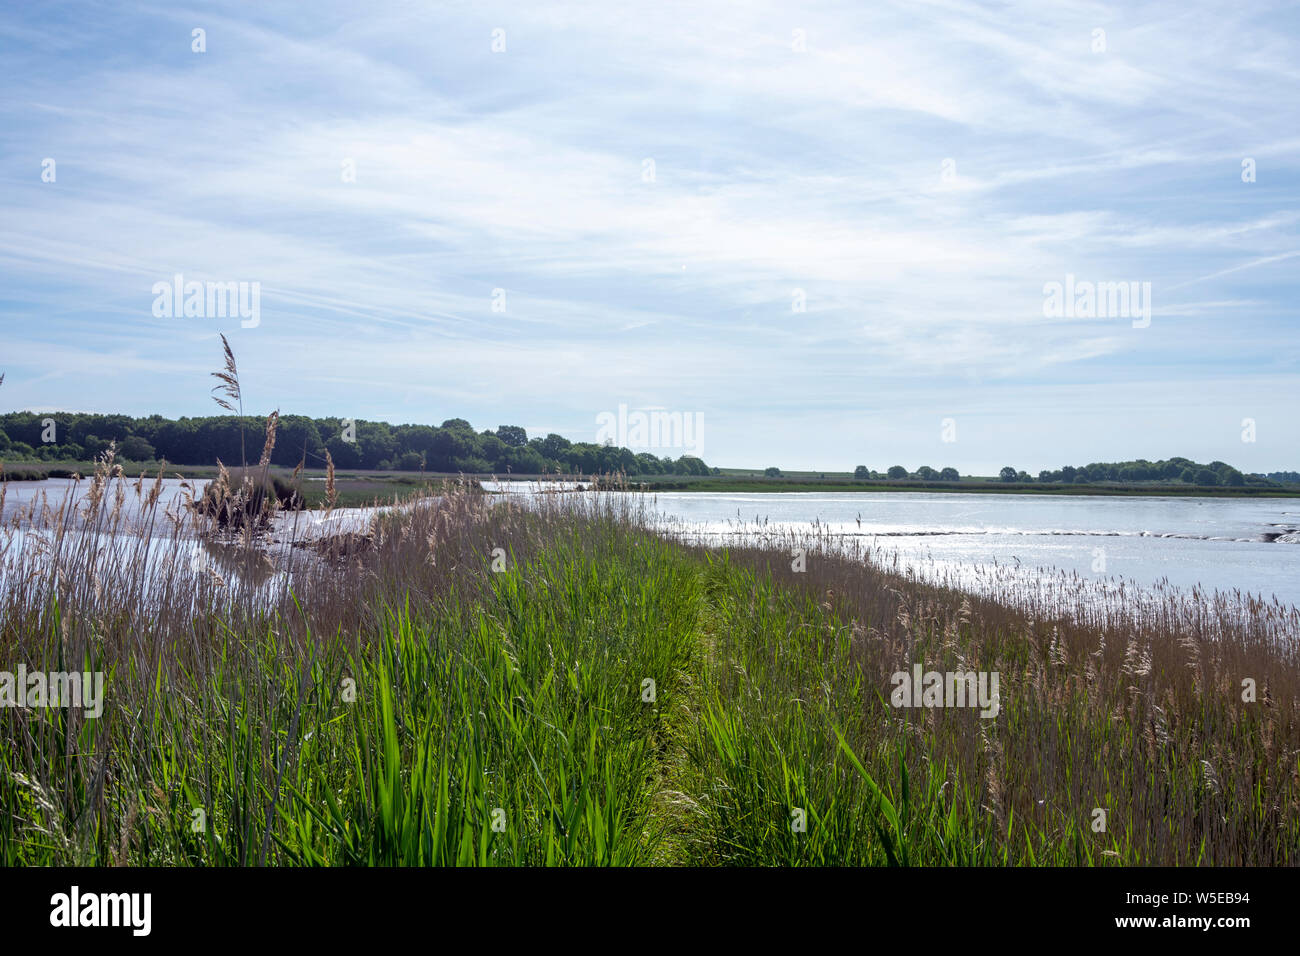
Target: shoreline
(407, 480)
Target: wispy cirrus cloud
(911, 174)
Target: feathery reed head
(271, 424)
(227, 391)
(331, 492)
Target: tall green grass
(507, 729)
(470, 688)
(1150, 728)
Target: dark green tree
(135, 448)
(512, 435)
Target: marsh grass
(468, 687)
(1140, 716)
(382, 710)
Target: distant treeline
(1169, 470)
(453, 446)
(898, 472)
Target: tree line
(454, 446)
(1166, 470)
(898, 472)
(1184, 470)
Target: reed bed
(562, 679)
(1138, 715)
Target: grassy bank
(486, 684)
(1137, 715)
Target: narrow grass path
(682, 825)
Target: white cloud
(775, 170)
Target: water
(55, 494)
(151, 540)
(1224, 544)
(1218, 544)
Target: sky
(827, 231)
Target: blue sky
(794, 147)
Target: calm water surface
(1217, 543)
(1225, 544)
